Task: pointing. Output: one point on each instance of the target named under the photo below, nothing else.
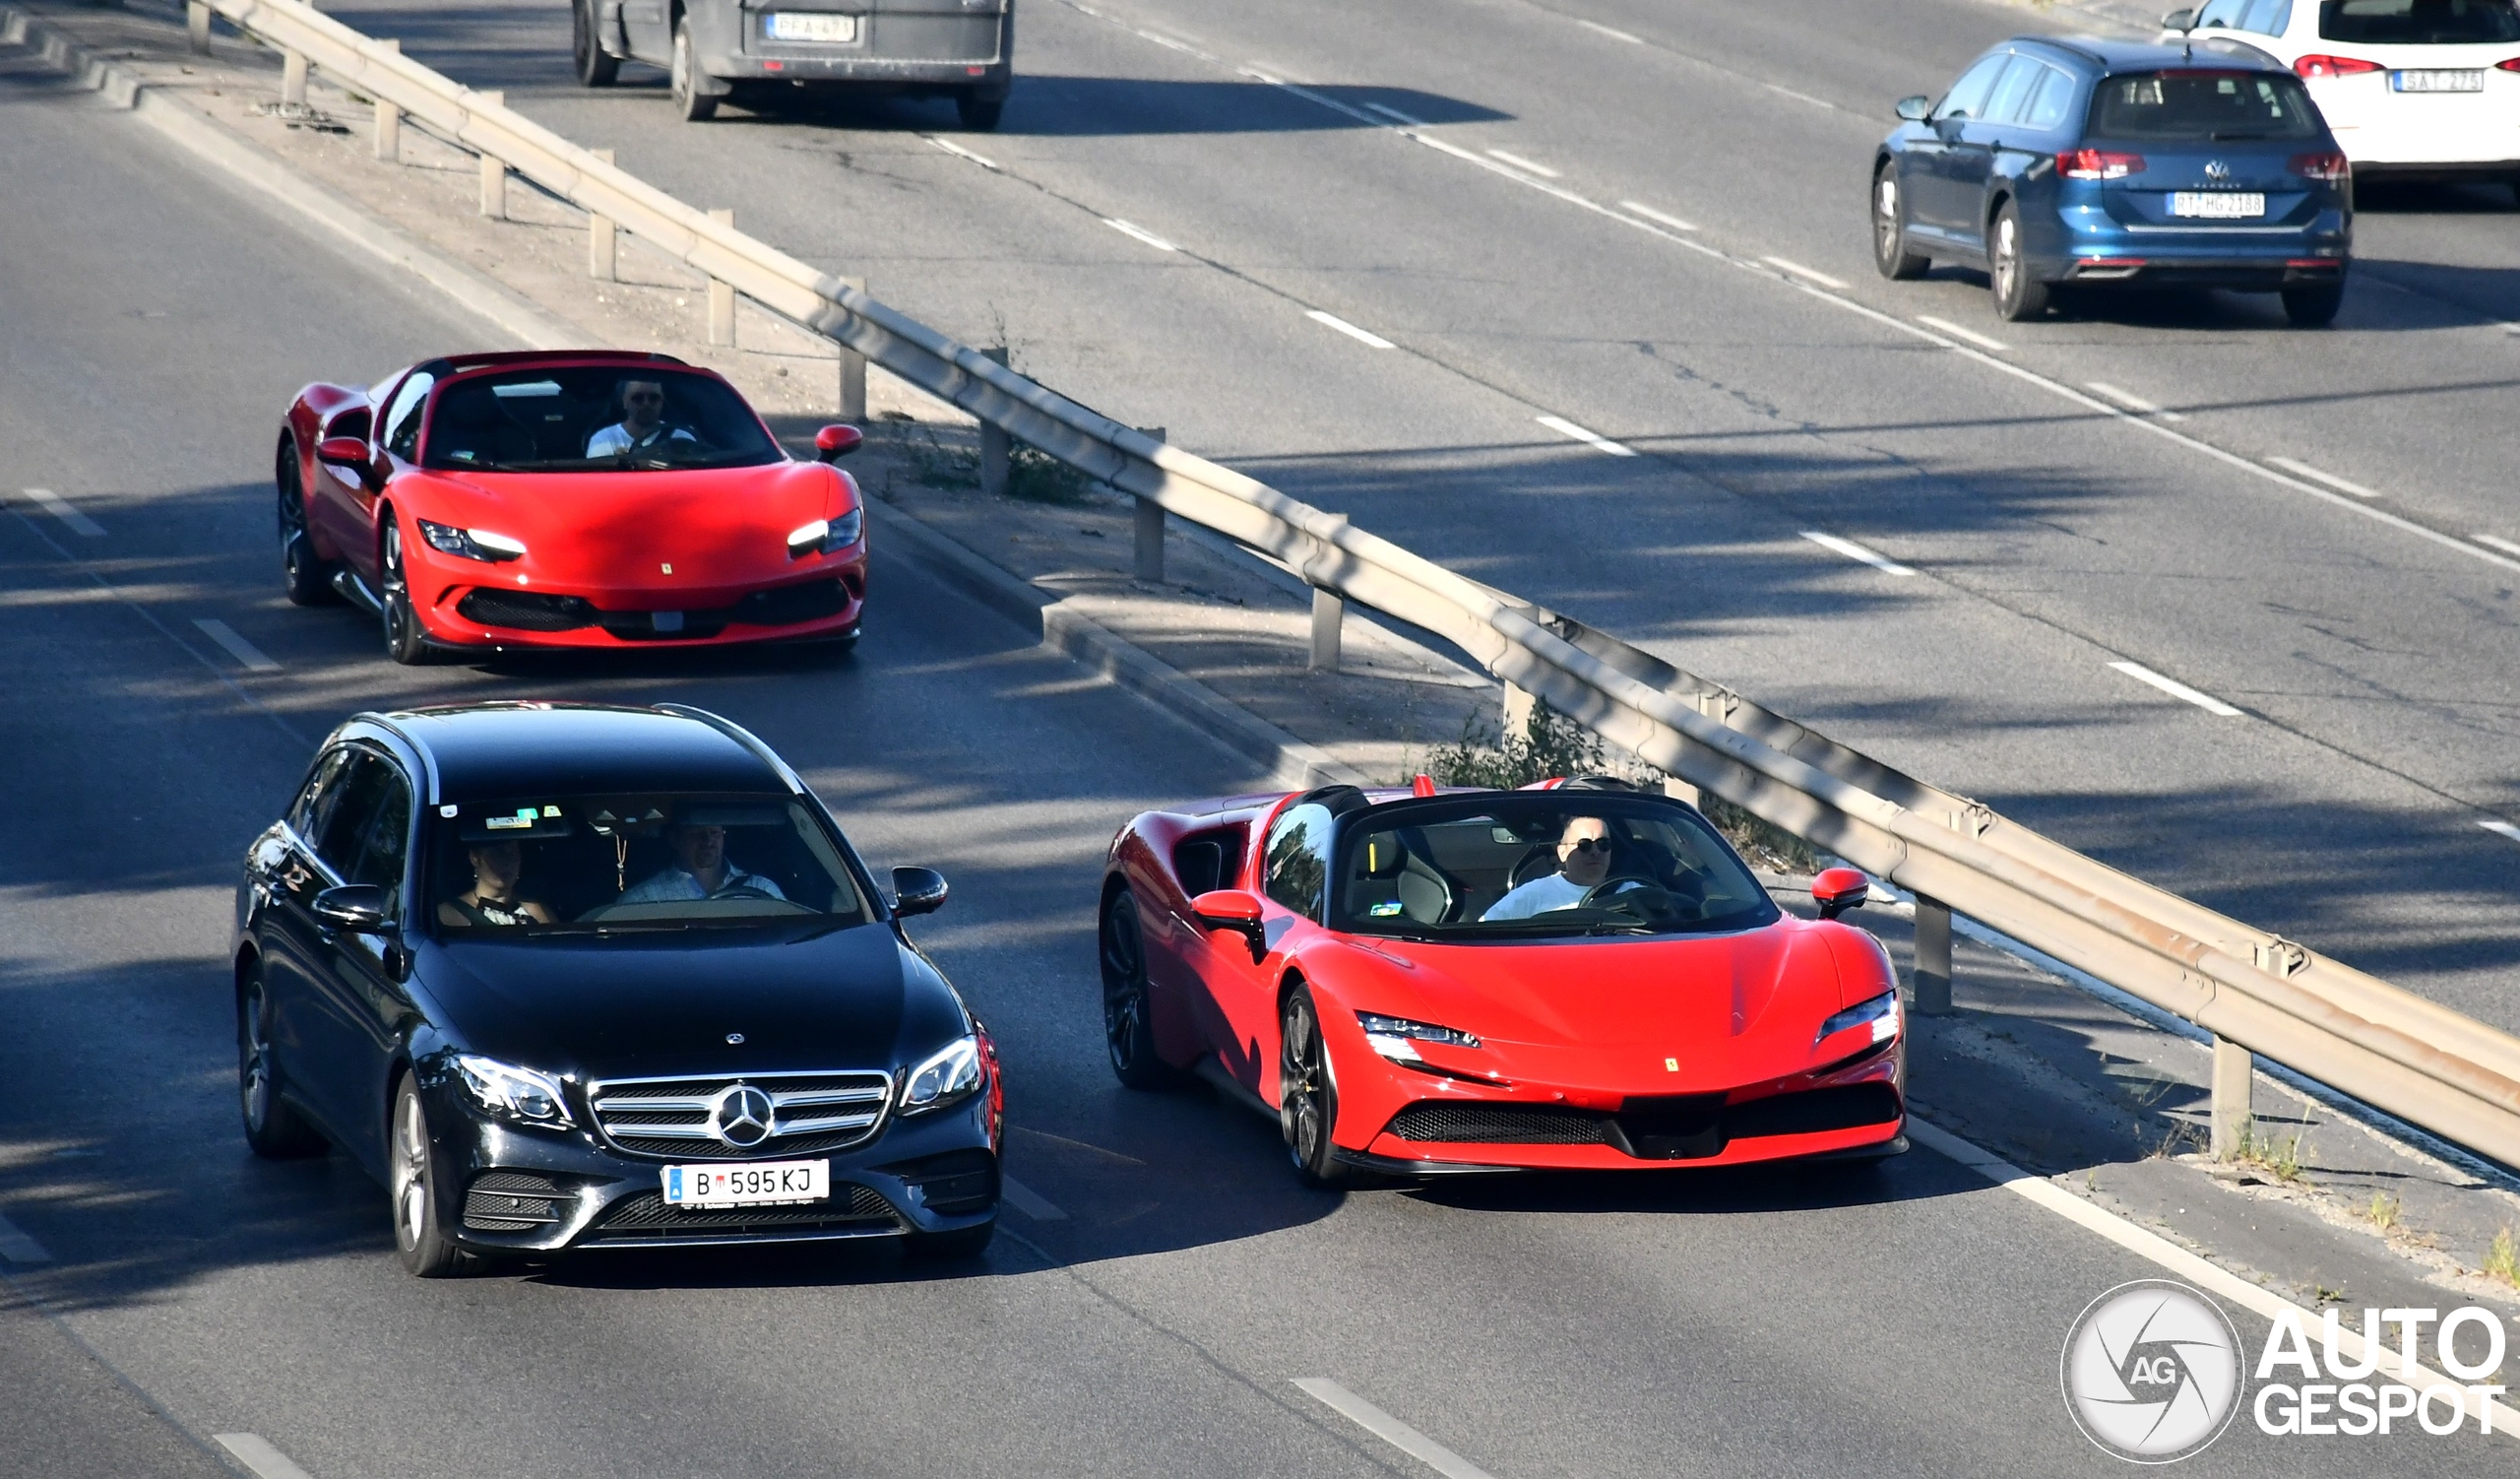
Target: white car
(2412, 89)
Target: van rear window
(2208, 108)
(2418, 22)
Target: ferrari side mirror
(1838, 890)
(350, 453)
(835, 443)
(1235, 910)
(1914, 109)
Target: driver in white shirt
(700, 871)
(642, 423)
(1583, 863)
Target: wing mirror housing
(1234, 909)
(835, 443)
(917, 890)
(2179, 21)
(1838, 890)
(361, 908)
(350, 453)
(1914, 109)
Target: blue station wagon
(2071, 160)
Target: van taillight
(2097, 164)
(2320, 166)
(2316, 65)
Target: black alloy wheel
(1307, 1094)
(307, 580)
(425, 1250)
(683, 76)
(1890, 251)
(978, 110)
(2018, 295)
(2313, 308)
(273, 1131)
(1128, 1029)
(595, 67)
(406, 641)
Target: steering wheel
(740, 891)
(1647, 900)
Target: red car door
(344, 506)
(1293, 875)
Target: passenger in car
(497, 868)
(1583, 863)
(701, 869)
(642, 423)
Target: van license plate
(758, 1183)
(811, 25)
(2465, 80)
(2218, 205)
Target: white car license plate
(759, 1184)
(809, 25)
(2438, 80)
(2218, 205)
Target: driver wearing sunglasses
(642, 423)
(1583, 864)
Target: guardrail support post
(722, 295)
(1329, 614)
(1149, 563)
(997, 449)
(197, 25)
(389, 132)
(1933, 980)
(852, 372)
(604, 248)
(292, 79)
(1679, 790)
(2234, 1113)
(1518, 717)
(494, 187)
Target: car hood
(651, 1002)
(717, 527)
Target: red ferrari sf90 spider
(1577, 976)
(578, 498)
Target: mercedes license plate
(2218, 205)
(759, 1184)
(2463, 79)
(811, 25)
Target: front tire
(426, 1251)
(683, 78)
(406, 640)
(272, 1130)
(307, 580)
(2313, 308)
(1307, 1094)
(1890, 252)
(596, 68)
(2019, 297)
(1128, 1025)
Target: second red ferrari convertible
(1577, 976)
(577, 498)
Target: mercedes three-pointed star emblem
(740, 1116)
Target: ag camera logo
(2152, 1372)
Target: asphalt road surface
(1165, 1286)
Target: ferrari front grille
(681, 1118)
(1667, 1128)
(1500, 1124)
(525, 610)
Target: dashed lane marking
(1389, 1429)
(19, 1245)
(1809, 273)
(2177, 689)
(1028, 1201)
(1361, 336)
(1946, 325)
(2130, 400)
(68, 513)
(254, 657)
(259, 1457)
(1592, 440)
(1657, 217)
(1598, 28)
(2497, 541)
(1140, 233)
(2502, 828)
(1854, 552)
(2304, 470)
(1533, 166)
(952, 148)
(1396, 115)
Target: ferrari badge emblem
(668, 569)
(1671, 1066)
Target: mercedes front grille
(757, 1116)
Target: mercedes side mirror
(833, 443)
(1235, 910)
(2179, 21)
(350, 453)
(917, 890)
(361, 908)
(1914, 109)
(1838, 890)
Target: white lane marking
(1334, 321)
(952, 148)
(1783, 264)
(1394, 114)
(259, 1457)
(1854, 552)
(61, 508)
(1181, 47)
(1598, 28)
(2131, 401)
(19, 1245)
(1650, 213)
(1519, 163)
(2497, 541)
(2304, 470)
(1141, 233)
(1028, 1201)
(2503, 827)
(1389, 1429)
(1817, 102)
(1955, 331)
(2177, 689)
(254, 657)
(2160, 1252)
(1594, 439)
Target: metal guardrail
(2410, 1057)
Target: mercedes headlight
(1397, 1037)
(952, 1073)
(1881, 1012)
(512, 1093)
(470, 543)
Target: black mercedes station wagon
(568, 976)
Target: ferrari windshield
(593, 417)
(1527, 863)
(543, 863)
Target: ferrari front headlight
(470, 543)
(827, 535)
(1397, 1037)
(1881, 1012)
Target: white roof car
(2420, 89)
